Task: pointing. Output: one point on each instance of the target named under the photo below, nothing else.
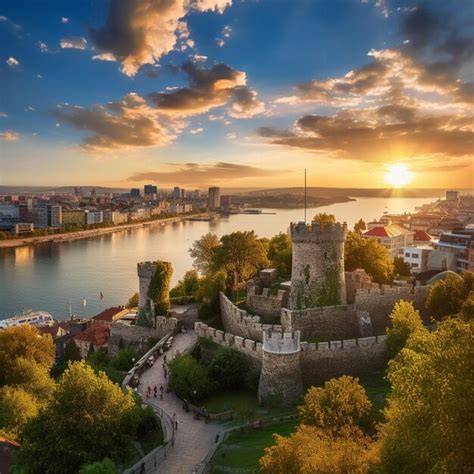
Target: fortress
(329, 322)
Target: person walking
(148, 392)
(155, 390)
(161, 392)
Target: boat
(252, 211)
(33, 318)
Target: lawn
(241, 451)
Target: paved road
(194, 438)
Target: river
(48, 276)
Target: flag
(101, 295)
(84, 302)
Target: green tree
(342, 402)
(429, 418)
(17, 406)
(360, 226)
(106, 466)
(280, 255)
(324, 219)
(24, 341)
(133, 301)
(159, 289)
(228, 368)
(405, 320)
(401, 267)
(446, 297)
(125, 359)
(369, 255)
(241, 254)
(189, 378)
(188, 286)
(467, 308)
(210, 287)
(89, 418)
(203, 251)
(71, 351)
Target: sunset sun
(398, 175)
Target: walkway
(194, 438)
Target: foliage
(24, 341)
(188, 286)
(429, 419)
(467, 308)
(279, 254)
(203, 251)
(368, 254)
(228, 368)
(133, 301)
(125, 359)
(340, 403)
(360, 226)
(323, 219)
(106, 466)
(145, 317)
(313, 450)
(446, 297)
(209, 289)
(89, 418)
(406, 320)
(401, 267)
(188, 376)
(71, 351)
(17, 406)
(159, 289)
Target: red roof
(55, 330)
(108, 314)
(96, 334)
(422, 236)
(392, 230)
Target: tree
(210, 287)
(203, 251)
(189, 378)
(368, 254)
(17, 406)
(340, 403)
(241, 254)
(133, 301)
(406, 320)
(188, 286)
(71, 351)
(106, 466)
(446, 297)
(401, 267)
(88, 419)
(125, 359)
(228, 368)
(429, 418)
(24, 341)
(313, 450)
(280, 254)
(159, 288)
(360, 226)
(323, 219)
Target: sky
(236, 93)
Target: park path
(193, 438)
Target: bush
(133, 301)
(125, 359)
(228, 368)
(106, 466)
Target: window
(414, 255)
(407, 254)
(414, 265)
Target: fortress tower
(317, 273)
(281, 371)
(145, 270)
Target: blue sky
(215, 96)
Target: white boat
(33, 318)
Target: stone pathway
(194, 438)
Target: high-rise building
(226, 202)
(77, 191)
(134, 192)
(176, 193)
(150, 189)
(214, 201)
(183, 193)
(55, 215)
(452, 195)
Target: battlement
(344, 344)
(302, 232)
(265, 292)
(279, 342)
(146, 269)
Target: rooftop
(108, 314)
(422, 236)
(96, 334)
(392, 230)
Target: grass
(242, 451)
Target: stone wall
(330, 322)
(237, 321)
(121, 333)
(379, 300)
(265, 304)
(356, 357)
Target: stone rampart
(121, 333)
(357, 357)
(329, 322)
(379, 300)
(237, 321)
(263, 303)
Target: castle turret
(317, 273)
(145, 270)
(280, 378)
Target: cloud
(9, 136)
(381, 6)
(64, 19)
(104, 57)
(199, 58)
(225, 34)
(12, 62)
(3, 115)
(73, 42)
(16, 28)
(43, 47)
(139, 32)
(220, 42)
(199, 174)
(118, 125)
(196, 131)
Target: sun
(398, 175)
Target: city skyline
(236, 94)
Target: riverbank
(85, 234)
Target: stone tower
(145, 270)
(317, 273)
(281, 371)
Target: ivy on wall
(159, 289)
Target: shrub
(188, 378)
(228, 368)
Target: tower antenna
(305, 195)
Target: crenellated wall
(329, 322)
(261, 302)
(237, 321)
